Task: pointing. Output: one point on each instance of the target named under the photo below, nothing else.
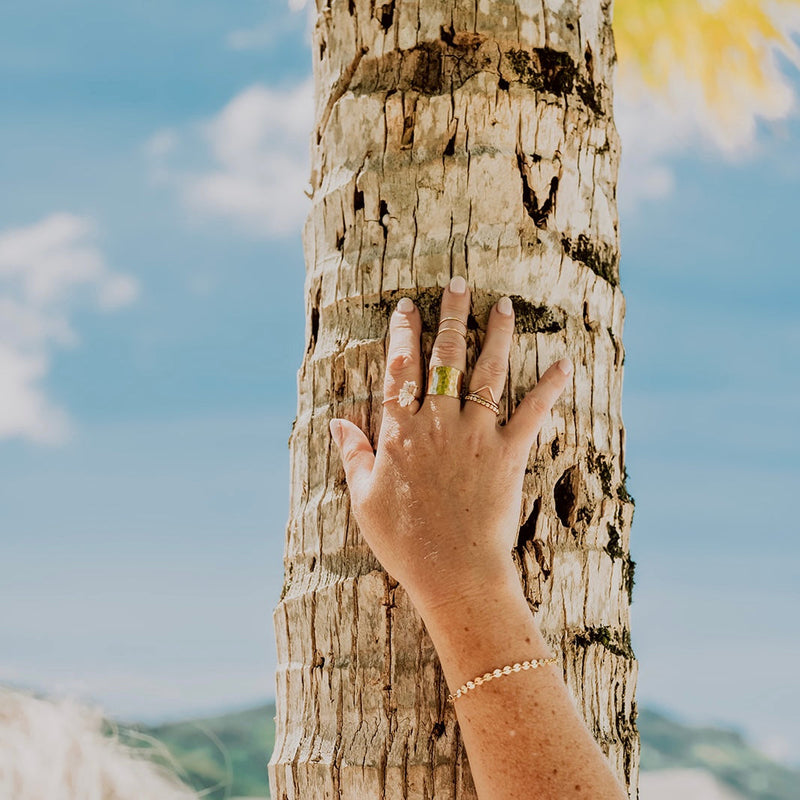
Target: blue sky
(147, 400)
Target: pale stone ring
(407, 394)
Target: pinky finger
(525, 423)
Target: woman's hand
(439, 505)
(439, 502)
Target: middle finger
(450, 345)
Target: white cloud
(259, 148)
(45, 270)
(24, 409)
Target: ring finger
(450, 345)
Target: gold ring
(483, 401)
(457, 319)
(491, 393)
(455, 330)
(445, 380)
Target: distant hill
(227, 755)
(669, 744)
(231, 752)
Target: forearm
(522, 732)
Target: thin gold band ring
(457, 319)
(455, 330)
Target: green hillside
(231, 752)
(227, 755)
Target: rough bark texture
(473, 138)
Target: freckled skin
(408, 501)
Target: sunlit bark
(473, 138)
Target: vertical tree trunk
(471, 137)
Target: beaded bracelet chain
(507, 670)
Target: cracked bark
(472, 138)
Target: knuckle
(402, 322)
(474, 440)
(493, 367)
(449, 347)
(400, 361)
(537, 404)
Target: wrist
(484, 633)
(478, 603)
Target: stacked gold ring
(444, 380)
(475, 397)
(448, 328)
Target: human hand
(439, 501)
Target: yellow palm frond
(725, 49)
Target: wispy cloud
(269, 31)
(258, 149)
(47, 270)
(255, 38)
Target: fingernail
(458, 285)
(336, 431)
(405, 305)
(565, 365)
(504, 306)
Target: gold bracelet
(488, 676)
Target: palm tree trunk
(473, 138)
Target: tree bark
(475, 138)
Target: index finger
(403, 362)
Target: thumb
(355, 448)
